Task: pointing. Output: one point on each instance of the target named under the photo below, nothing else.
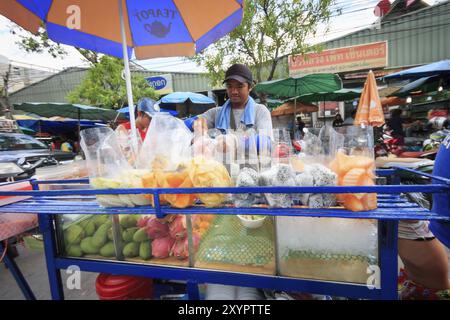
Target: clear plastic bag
(107, 166)
(314, 158)
(354, 164)
(207, 169)
(247, 162)
(280, 173)
(165, 153)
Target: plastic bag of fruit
(108, 167)
(353, 162)
(165, 153)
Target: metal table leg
(388, 252)
(46, 225)
(192, 290)
(17, 274)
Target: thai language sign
(360, 57)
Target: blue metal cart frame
(391, 208)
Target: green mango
(100, 219)
(74, 251)
(145, 250)
(128, 221)
(87, 246)
(110, 233)
(74, 234)
(131, 250)
(84, 223)
(100, 236)
(128, 234)
(108, 250)
(89, 228)
(140, 235)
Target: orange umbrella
(369, 110)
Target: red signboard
(360, 57)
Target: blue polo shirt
(441, 201)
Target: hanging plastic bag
(314, 157)
(166, 154)
(105, 163)
(248, 163)
(125, 139)
(354, 165)
(281, 173)
(204, 169)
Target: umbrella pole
(128, 79)
(295, 115)
(79, 126)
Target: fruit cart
(377, 279)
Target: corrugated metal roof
(56, 87)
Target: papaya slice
(344, 163)
(370, 201)
(362, 162)
(354, 177)
(181, 200)
(353, 204)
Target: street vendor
(146, 109)
(240, 111)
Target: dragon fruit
(177, 228)
(180, 248)
(156, 229)
(161, 247)
(142, 221)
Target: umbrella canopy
(419, 86)
(182, 97)
(290, 107)
(370, 111)
(298, 86)
(67, 110)
(27, 130)
(153, 28)
(163, 28)
(437, 68)
(126, 112)
(55, 127)
(338, 95)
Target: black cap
(239, 72)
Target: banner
(360, 57)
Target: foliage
(104, 86)
(270, 30)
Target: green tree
(104, 86)
(270, 30)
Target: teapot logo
(158, 29)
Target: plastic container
(117, 287)
(251, 224)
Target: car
(21, 154)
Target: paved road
(33, 266)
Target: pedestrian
(338, 122)
(146, 109)
(349, 121)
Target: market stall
(52, 205)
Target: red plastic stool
(112, 287)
